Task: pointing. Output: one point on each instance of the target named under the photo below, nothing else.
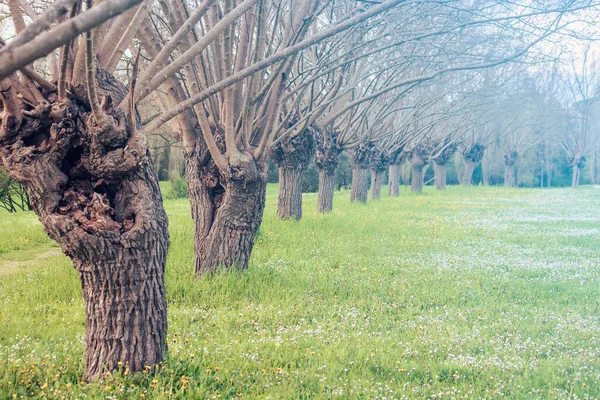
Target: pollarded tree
(243, 55)
(87, 171)
(578, 87)
(361, 162)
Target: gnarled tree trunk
(326, 161)
(227, 212)
(439, 172)
(97, 194)
(376, 182)
(394, 180)
(360, 184)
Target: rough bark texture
(361, 161)
(326, 188)
(97, 194)
(292, 156)
(439, 172)
(376, 182)
(227, 211)
(394, 180)
(289, 204)
(360, 184)
(326, 161)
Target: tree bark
(227, 213)
(467, 177)
(575, 176)
(292, 156)
(290, 192)
(376, 182)
(510, 176)
(326, 187)
(360, 184)
(96, 193)
(326, 161)
(439, 171)
(394, 180)
(416, 182)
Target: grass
(469, 293)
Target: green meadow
(468, 293)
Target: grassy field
(470, 293)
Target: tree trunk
(467, 177)
(376, 182)
(227, 213)
(510, 176)
(360, 185)
(416, 184)
(575, 176)
(292, 156)
(326, 187)
(125, 301)
(439, 171)
(96, 193)
(394, 180)
(290, 192)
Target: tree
(87, 171)
(579, 89)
